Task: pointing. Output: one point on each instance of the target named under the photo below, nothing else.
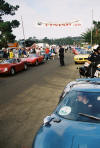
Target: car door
(18, 65)
(40, 59)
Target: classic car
(33, 59)
(82, 57)
(11, 66)
(75, 123)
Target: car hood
(81, 56)
(4, 65)
(30, 59)
(68, 134)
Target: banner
(66, 24)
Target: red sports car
(33, 59)
(11, 66)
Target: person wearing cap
(93, 60)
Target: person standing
(61, 55)
(47, 53)
(11, 54)
(5, 54)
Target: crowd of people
(13, 52)
(48, 52)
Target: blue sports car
(75, 123)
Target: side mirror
(47, 120)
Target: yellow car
(82, 57)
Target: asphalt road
(29, 96)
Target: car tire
(25, 67)
(12, 71)
(75, 62)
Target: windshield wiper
(89, 116)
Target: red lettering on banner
(66, 24)
(69, 24)
(63, 24)
(46, 25)
(55, 25)
(51, 25)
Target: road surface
(29, 96)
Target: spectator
(24, 54)
(61, 55)
(11, 54)
(5, 54)
(20, 53)
(47, 53)
(52, 53)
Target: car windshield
(32, 55)
(77, 105)
(6, 61)
(84, 52)
(78, 49)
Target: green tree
(6, 27)
(95, 34)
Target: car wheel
(36, 63)
(25, 67)
(12, 71)
(75, 62)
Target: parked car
(75, 123)
(11, 66)
(33, 59)
(82, 57)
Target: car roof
(85, 85)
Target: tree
(6, 27)
(95, 34)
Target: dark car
(75, 123)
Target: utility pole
(23, 31)
(91, 29)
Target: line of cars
(11, 66)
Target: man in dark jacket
(61, 55)
(94, 60)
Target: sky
(54, 11)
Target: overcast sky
(60, 11)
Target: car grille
(80, 58)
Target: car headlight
(6, 69)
